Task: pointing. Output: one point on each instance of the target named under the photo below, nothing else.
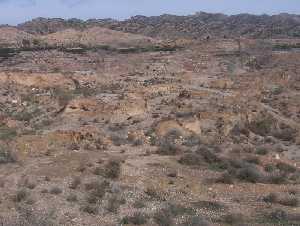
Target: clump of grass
(96, 190)
(6, 156)
(112, 169)
(191, 141)
(29, 184)
(90, 209)
(138, 204)
(179, 210)
(252, 160)
(289, 200)
(153, 193)
(287, 168)
(272, 198)
(209, 205)
(7, 133)
(269, 168)
(250, 174)
(167, 145)
(72, 198)
(21, 195)
(137, 218)
(262, 126)
(118, 140)
(163, 217)
(276, 178)
(261, 151)
(114, 203)
(278, 215)
(55, 190)
(195, 221)
(168, 148)
(232, 218)
(190, 159)
(76, 181)
(225, 178)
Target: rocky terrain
(194, 26)
(140, 123)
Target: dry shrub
(163, 217)
(112, 169)
(137, 218)
(76, 181)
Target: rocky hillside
(199, 25)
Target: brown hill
(11, 36)
(96, 36)
(196, 26)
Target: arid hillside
(197, 26)
(151, 127)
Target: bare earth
(101, 127)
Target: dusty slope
(11, 36)
(204, 135)
(97, 36)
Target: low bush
(191, 159)
(6, 156)
(232, 219)
(163, 217)
(55, 190)
(112, 169)
(90, 209)
(250, 174)
(137, 218)
(195, 221)
(289, 200)
(138, 204)
(114, 203)
(261, 151)
(271, 198)
(72, 198)
(285, 167)
(21, 195)
(96, 190)
(76, 181)
(225, 178)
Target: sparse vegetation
(163, 217)
(6, 155)
(112, 169)
(137, 218)
(103, 127)
(55, 190)
(76, 181)
(21, 195)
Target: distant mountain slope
(198, 25)
(13, 37)
(97, 36)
